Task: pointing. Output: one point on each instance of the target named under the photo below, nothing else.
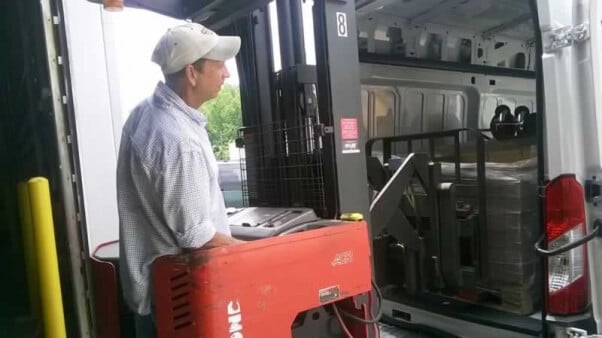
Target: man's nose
(226, 72)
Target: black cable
(595, 233)
(379, 313)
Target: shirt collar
(167, 98)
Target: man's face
(210, 78)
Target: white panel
(454, 116)
(94, 118)
(596, 64)
(563, 125)
(412, 115)
(433, 112)
(594, 142)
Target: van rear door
(572, 47)
(594, 140)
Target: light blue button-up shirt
(167, 189)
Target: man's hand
(221, 240)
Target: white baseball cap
(184, 44)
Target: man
(167, 176)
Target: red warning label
(349, 129)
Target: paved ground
(21, 327)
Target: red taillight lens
(567, 284)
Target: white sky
(136, 33)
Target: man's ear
(191, 75)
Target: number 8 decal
(342, 24)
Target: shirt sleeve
(184, 192)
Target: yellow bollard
(29, 249)
(48, 267)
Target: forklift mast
(302, 134)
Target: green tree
(224, 119)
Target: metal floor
(387, 331)
(26, 328)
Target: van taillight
(567, 283)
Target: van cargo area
(455, 80)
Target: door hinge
(322, 129)
(565, 37)
(541, 190)
(593, 191)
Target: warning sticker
(349, 129)
(350, 136)
(350, 147)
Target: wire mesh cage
(282, 165)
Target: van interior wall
(398, 100)
(27, 147)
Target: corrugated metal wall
(401, 100)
